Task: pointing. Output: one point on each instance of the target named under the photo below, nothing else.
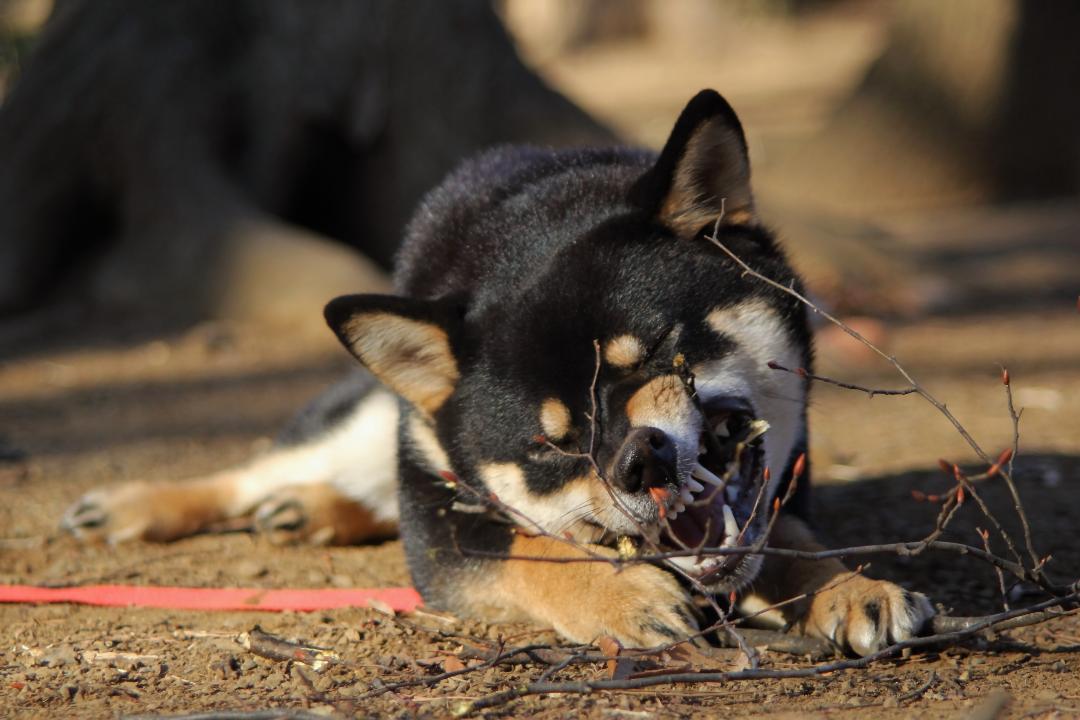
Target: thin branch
(804, 373)
(815, 671)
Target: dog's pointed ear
(405, 343)
(703, 172)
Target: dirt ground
(89, 408)
(86, 401)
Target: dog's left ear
(405, 343)
(703, 173)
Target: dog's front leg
(844, 607)
(476, 564)
(577, 590)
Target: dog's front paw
(140, 511)
(640, 606)
(318, 514)
(864, 616)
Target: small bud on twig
(1003, 458)
(945, 465)
(960, 495)
(766, 474)
(918, 496)
(800, 466)
(773, 365)
(1004, 376)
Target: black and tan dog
(554, 307)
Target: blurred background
(184, 184)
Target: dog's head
(625, 389)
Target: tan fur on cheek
(552, 512)
(554, 419)
(422, 437)
(624, 351)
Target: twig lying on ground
(588, 686)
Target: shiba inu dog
(572, 370)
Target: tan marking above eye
(554, 419)
(662, 402)
(624, 351)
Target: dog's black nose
(647, 459)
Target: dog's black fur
(574, 360)
(524, 257)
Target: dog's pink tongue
(699, 523)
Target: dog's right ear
(703, 173)
(405, 343)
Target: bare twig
(804, 373)
(815, 671)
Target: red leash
(399, 599)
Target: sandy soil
(86, 401)
(86, 408)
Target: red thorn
(1005, 456)
(731, 598)
(800, 466)
(918, 496)
(773, 365)
(776, 505)
(1004, 376)
(957, 473)
(960, 495)
(448, 476)
(766, 474)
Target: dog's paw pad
(288, 516)
(317, 515)
(113, 515)
(865, 616)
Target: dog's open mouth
(720, 505)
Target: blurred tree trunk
(169, 154)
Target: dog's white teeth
(703, 474)
(731, 493)
(731, 528)
(685, 495)
(694, 485)
(721, 429)
(757, 429)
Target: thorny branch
(814, 671)
(944, 630)
(913, 385)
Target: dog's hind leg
(332, 479)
